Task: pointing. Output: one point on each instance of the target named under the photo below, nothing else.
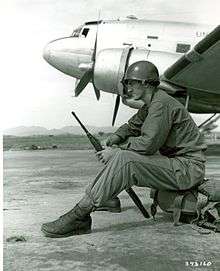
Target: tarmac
(39, 186)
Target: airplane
(187, 56)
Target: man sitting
(163, 149)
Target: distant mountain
(38, 130)
(25, 131)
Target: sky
(36, 94)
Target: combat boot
(111, 205)
(76, 221)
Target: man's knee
(131, 156)
(124, 156)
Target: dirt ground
(39, 186)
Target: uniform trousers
(127, 168)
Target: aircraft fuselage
(100, 51)
(164, 42)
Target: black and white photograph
(110, 127)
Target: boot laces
(69, 216)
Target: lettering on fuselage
(200, 34)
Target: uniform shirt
(166, 126)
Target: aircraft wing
(198, 73)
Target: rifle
(98, 147)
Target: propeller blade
(95, 47)
(97, 91)
(87, 76)
(96, 38)
(117, 102)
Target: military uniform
(161, 147)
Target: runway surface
(39, 186)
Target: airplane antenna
(99, 16)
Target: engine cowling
(111, 65)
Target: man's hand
(105, 155)
(112, 140)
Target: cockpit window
(80, 32)
(85, 32)
(76, 32)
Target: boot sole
(75, 232)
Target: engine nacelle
(111, 65)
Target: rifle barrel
(84, 128)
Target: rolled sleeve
(154, 131)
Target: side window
(182, 47)
(76, 32)
(85, 32)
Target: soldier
(160, 147)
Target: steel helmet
(144, 71)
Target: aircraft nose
(46, 52)
(66, 54)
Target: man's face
(135, 89)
